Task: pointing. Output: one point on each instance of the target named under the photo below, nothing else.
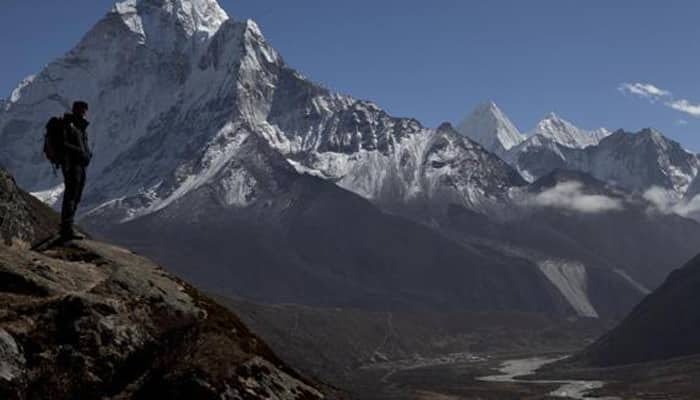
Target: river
(511, 370)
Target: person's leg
(80, 175)
(70, 196)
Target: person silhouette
(76, 158)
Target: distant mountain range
(636, 162)
(210, 149)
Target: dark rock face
(23, 218)
(665, 325)
(89, 320)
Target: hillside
(90, 320)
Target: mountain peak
(488, 105)
(491, 128)
(205, 16)
(565, 133)
(552, 116)
(655, 137)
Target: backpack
(53, 141)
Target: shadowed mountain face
(665, 325)
(573, 215)
(88, 320)
(303, 239)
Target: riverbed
(512, 370)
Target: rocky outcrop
(23, 218)
(90, 320)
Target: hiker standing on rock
(76, 157)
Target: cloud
(681, 122)
(654, 93)
(570, 196)
(685, 106)
(668, 203)
(645, 90)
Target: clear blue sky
(435, 60)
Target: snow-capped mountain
(131, 66)
(260, 229)
(195, 117)
(490, 127)
(639, 161)
(633, 161)
(565, 133)
(171, 84)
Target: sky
(614, 64)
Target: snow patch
(238, 186)
(50, 196)
(17, 92)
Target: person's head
(80, 108)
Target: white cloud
(668, 203)
(681, 122)
(570, 196)
(685, 106)
(646, 90)
(654, 93)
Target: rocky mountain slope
(23, 218)
(292, 237)
(665, 325)
(583, 234)
(90, 320)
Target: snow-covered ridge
(489, 126)
(205, 16)
(17, 92)
(566, 134)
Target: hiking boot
(70, 234)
